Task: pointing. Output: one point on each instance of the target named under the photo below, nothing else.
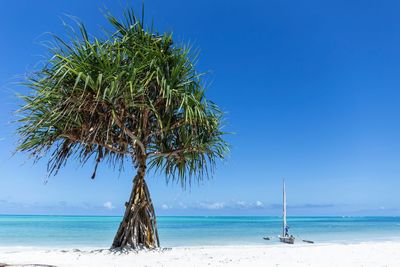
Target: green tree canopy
(132, 94)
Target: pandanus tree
(132, 97)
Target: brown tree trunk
(138, 228)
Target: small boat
(285, 238)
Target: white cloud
(212, 206)
(217, 205)
(230, 205)
(108, 205)
(259, 203)
(241, 203)
(183, 205)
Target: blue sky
(311, 89)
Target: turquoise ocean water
(98, 231)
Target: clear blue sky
(311, 88)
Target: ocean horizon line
(200, 216)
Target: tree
(133, 96)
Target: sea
(183, 231)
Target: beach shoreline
(326, 254)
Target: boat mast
(284, 209)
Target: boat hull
(287, 239)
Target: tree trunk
(138, 228)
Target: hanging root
(138, 229)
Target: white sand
(364, 254)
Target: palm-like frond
(134, 94)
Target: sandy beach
(364, 254)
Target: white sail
(284, 210)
